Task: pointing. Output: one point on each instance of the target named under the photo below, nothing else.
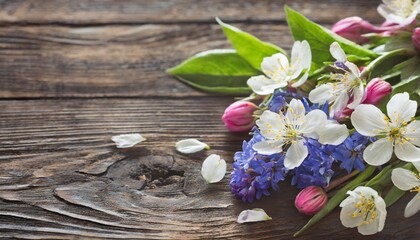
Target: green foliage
(320, 39)
(218, 71)
(249, 47)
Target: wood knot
(146, 172)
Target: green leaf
(218, 71)
(400, 41)
(393, 195)
(384, 63)
(410, 76)
(320, 39)
(337, 199)
(249, 47)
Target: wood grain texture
(62, 177)
(169, 11)
(109, 61)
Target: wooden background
(75, 73)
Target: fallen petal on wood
(253, 215)
(127, 140)
(190, 145)
(213, 169)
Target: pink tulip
(238, 116)
(376, 89)
(416, 38)
(310, 200)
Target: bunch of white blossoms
(344, 86)
(397, 133)
(402, 12)
(364, 209)
(280, 72)
(291, 130)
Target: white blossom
(402, 12)
(407, 180)
(291, 130)
(279, 72)
(363, 209)
(343, 87)
(398, 132)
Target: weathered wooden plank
(168, 11)
(61, 177)
(109, 61)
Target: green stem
(338, 197)
(339, 181)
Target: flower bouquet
(338, 112)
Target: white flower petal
(312, 121)
(268, 147)
(296, 52)
(353, 68)
(346, 216)
(404, 179)
(358, 94)
(253, 215)
(213, 169)
(381, 208)
(306, 55)
(301, 80)
(332, 133)
(366, 191)
(337, 52)
(350, 199)
(407, 152)
(400, 108)
(295, 111)
(417, 165)
(413, 206)
(368, 120)
(321, 94)
(190, 146)
(127, 140)
(275, 65)
(270, 124)
(379, 152)
(413, 133)
(369, 229)
(295, 155)
(339, 104)
(262, 85)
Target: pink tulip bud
(376, 89)
(416, 38)
(352, 28)
(310, 200)
(238, 116)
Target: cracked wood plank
(169, 11)
(109, 61)
(63, 178)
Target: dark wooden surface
(75, 73)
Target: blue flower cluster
(254, 175)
